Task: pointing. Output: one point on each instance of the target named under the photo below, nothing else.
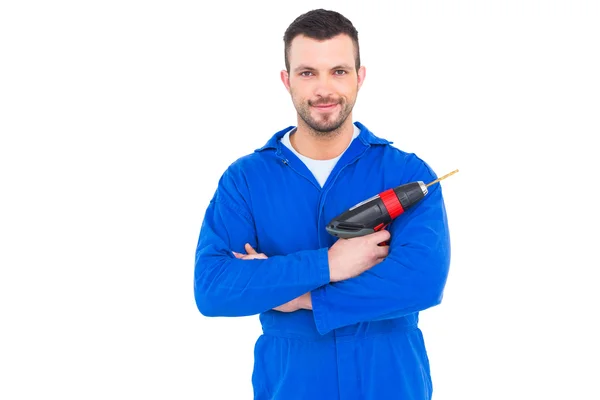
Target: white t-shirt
(319, 168)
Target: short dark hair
(320, 24)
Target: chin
(327, 128)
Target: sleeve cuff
(318, 308)
(318, 295)
(323, 266)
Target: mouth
(325, 107)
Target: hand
(299, 303)
(252, 254)
(351, 257)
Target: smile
(325, 107)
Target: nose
(324, 86)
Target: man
(339, 316)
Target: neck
(319, 145)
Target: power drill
(379, 211)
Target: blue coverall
(361, 340)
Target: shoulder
(395, 162)
(256, 163)
(261, 160)
(412, 163)
(235, 173)
(244, 172)
(400, 166)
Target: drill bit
(443, 177)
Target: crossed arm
(301, 302)
(410, 278)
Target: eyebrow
(307, 68)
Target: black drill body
(377, 212)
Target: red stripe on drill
(391, 203)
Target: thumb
(249, 249)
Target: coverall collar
(365, 136)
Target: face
(323, 81)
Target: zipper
(325, 191)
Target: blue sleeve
(227, 286)
(410, 279)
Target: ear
(285, 78)
(362, 73)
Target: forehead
(321, 53)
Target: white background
(117, 119)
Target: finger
(249, 249)
(383, 251)
(380, 236)
(237, 255)
(260, 256)
(257, 256)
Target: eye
(305, 73)
(340, 72)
